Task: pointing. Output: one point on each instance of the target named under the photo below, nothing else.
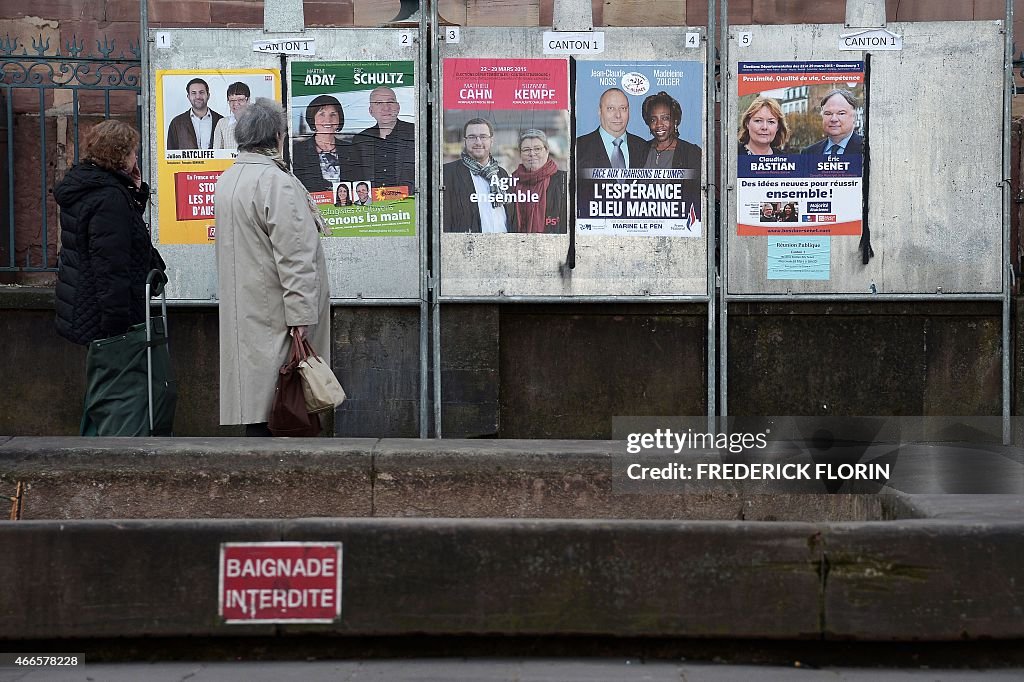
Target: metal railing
(58, 88)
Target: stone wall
(518, 371)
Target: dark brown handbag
(288, 415)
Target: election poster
(353, 144)
(195, 120)
(800, 156)
(505, 146)
(638, 148)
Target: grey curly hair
(259, 125)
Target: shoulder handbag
(322, 390)
(288, 414)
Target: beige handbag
(322, 390)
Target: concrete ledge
(949, 570)
(104, 478)
(936, 580)
(117, 478)
(919, 580)
(137, 578)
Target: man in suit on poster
(193, 129)
(471, 180)
(610, 146)
(838, 117)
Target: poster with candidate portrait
(800, 152)
(638, 148)
(195, 118)
(505, 146)
(353, 144)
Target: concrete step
(147, 478)
(842, 567)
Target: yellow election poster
(195, 129)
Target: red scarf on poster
(530, 215)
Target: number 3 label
(451, 34)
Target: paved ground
(491, 670)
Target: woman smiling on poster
(342, 195)
(789, 214)
(763, 129)
(663, 114)
(538, 174)
(666, 149)
(318, 160)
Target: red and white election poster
(280, 582)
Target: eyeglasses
(237, 100)
(531, 150)
(478, 138)
(391, 103)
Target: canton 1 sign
(876, 39)
(280, 582)
(573, 42)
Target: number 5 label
(744, 38)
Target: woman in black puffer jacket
(106, 251)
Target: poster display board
(518, 108)
(200, 77)
(638, 150)
(841, 180)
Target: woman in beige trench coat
(270, 266)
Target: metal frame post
(711, 97)
(1008, 88)
(726, 203)
(423, 156)
(435, 216)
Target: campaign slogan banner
(800, 158)
(639, 150)
(353, 144)
(506, 145)
(280, 582)
(188, 163)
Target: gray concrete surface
(189, 478)
(931, 568)
(494, 670)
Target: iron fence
(60, 89)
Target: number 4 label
(692, 40)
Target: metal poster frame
(729, 37)
(414, 291)
(582, 23)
